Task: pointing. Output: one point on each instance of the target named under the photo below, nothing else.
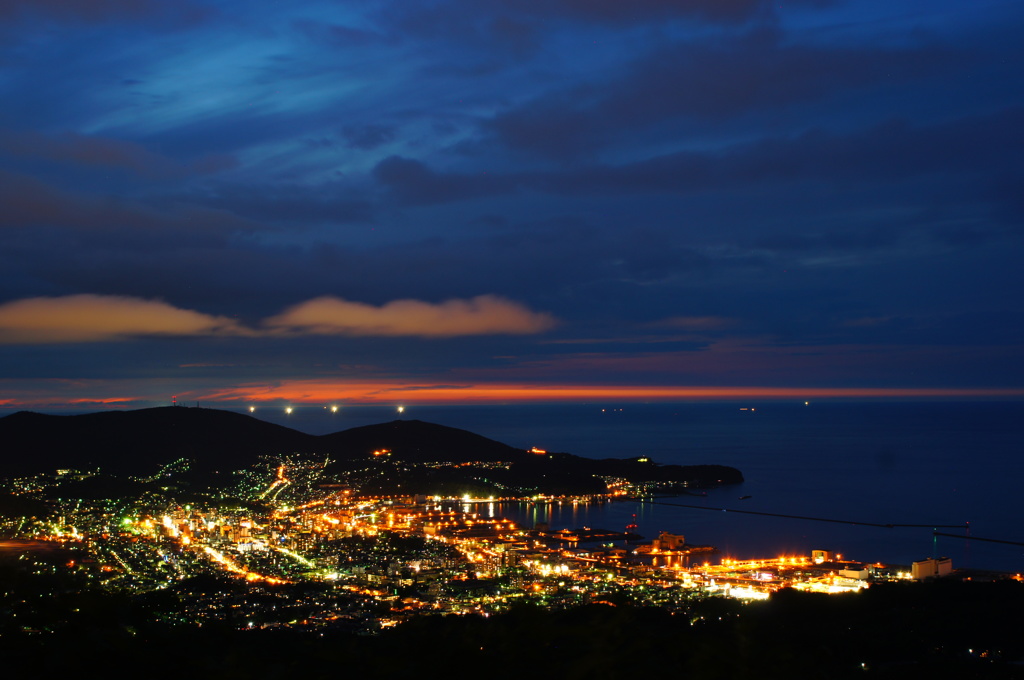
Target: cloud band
(104, 318)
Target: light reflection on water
(748, 536)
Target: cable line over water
(978, 538)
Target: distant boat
(743, 498)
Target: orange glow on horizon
(373, 393)
(318, 392)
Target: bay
(929, 463)
(884, 462)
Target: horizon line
(308, 393)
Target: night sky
(498, 200)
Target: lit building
(667, 541)
(931, 567)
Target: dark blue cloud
(699, 85)
(618, 13)
(92, 11)
(368, 137)
(839, 182)
(412, 182)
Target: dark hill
(417, 441)
(136, 442)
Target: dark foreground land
(911, 630)
(119, 602)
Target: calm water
(881, 462)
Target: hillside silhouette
(138, 442)
(135, 442)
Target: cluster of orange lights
(779, 561)
(230, 566)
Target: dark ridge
(417, 441)
(136, 442)
(139, 442)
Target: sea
(878, 481)
(830, 475)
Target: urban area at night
(378, 538)
(577, 339)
